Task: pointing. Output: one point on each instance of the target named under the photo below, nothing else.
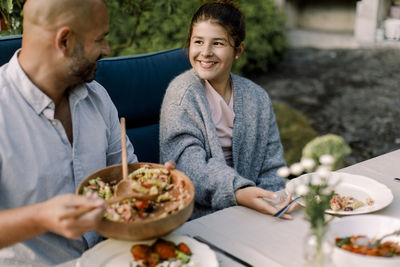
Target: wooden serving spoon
(124, 188)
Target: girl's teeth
(207, 63)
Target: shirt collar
(35, 97)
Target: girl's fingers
(267, 194)
(266, 207)
(170, 165)
(286, 216)
(260, 200)
(284, 203)
(293, 207)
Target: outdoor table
(263, 240)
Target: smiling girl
(218, 127)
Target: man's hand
(71, 215)
(67, 215)
(252, 197)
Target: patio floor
(324, 40)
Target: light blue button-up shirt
(37, 161)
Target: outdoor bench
(136, 84)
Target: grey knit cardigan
(188, 136)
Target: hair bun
(226, 2)
(224, 13)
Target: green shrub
(142, 26)
(300, 140)
(295, 131)
(328, 144)
(265, 36)
(11, 13)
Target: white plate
(357, 186)
(112, 253)
(373, 226)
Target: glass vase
(318, 248)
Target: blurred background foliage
(11, 16)
(331, 144)
(143, 26)
(295, 131)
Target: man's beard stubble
(80, 67)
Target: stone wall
(325, 15)
(364, 19)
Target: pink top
(222, 115)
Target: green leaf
(9, 6)
(182, 256)
(345, 240)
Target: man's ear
(239, 50)
(64, 40)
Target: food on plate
(162, 253)
(146, 180)
(360, 244)
(347, 203)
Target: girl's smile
(211, 52)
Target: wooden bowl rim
(142, 222)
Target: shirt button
(51, 106)
(54, 123)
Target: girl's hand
(253, 197)
(170, 165)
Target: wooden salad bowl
(150, 227)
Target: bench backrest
(136, 84)
(8, 45)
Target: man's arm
(67, 215)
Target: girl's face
(211, 53)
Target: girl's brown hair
(226, 14)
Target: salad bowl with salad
(137, 219)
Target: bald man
(57, 126)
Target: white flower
(296, 169)
(327, 191)
(283, 172)
(290, 188)
(302, 190)
(326, 160)
(307, 163)
(316, 179)
(323, 172)
(333, 181)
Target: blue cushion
(8, 46)
(137, 85)
(145, 142)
